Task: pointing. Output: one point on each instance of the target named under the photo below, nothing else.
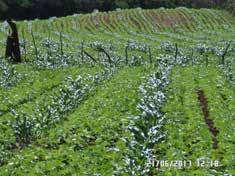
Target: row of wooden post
(100, 49)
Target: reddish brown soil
(106, 18)
(211, 126)
(167, 19)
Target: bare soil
(211, 126)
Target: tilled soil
(211, 126)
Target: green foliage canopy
(30, 9)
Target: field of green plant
(129, 92)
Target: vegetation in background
(30, 9)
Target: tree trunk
(13, 45)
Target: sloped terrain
(114, 93)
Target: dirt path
(204, 106)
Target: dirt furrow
(204, 106)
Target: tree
(121, 4)
(230, 6)
(30, 9)
(3, 8)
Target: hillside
(113, 93)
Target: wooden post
(150, 55)
(61, 45)
(225, 53)
(126, 52)
(92, 58)
(25, 54)
(34, 44)
(176, 51)
(105, 52)
(82, 52)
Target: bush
(3, 8)
(23, 129)
(230, 6)
(122, 4)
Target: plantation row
(26, 128)
(108, 93)
(121, 27)
(147, 21)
